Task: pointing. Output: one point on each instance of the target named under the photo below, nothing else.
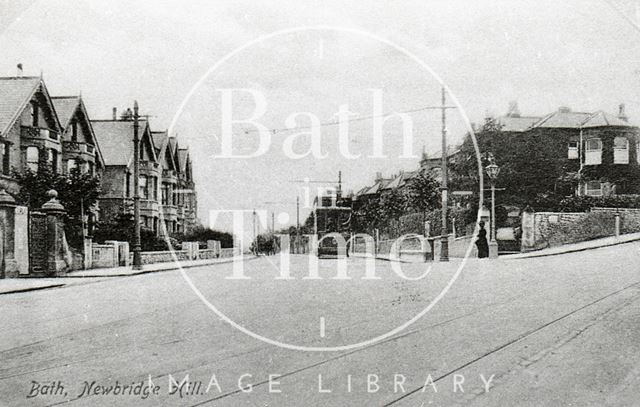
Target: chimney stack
(114, 112)
(19, 66)
(622, 115)
(513, 110)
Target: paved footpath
(548, 331)
(18, 285)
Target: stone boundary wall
(629, 218)
(553, 229)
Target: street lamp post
(444, 240)
(137, 260)
(492, 171)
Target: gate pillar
(8, 266)
(58, 261)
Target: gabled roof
(160, 140)
(116, 139)
(163, 144)
(183, 159)
(66, 108)
(15, 93)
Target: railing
(147, 204)
(148, 165)
(169, 211)
(168, 174)
(78, 146)
(36, 132)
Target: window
(90, 168)
(144, 188)
(34, 114)
(127, 186)
(165, 193)
(593, 152)
(154, 186)
(52, 159)
(573, 150)
(594, 188)
(6, 166)
(33, 156)
(620, 150)
(74, 131)
(71, 164)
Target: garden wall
(552, 229)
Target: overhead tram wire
(355, 119)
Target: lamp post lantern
(137, 260)
(492, 171)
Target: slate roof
(183, 155)
(116, 139)
(517, 124)
(15, 93)
(562, 119)
(601, 119)
(160, 140)
(65, 108)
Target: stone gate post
(57, 256)
(9, 267)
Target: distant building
(116, 140)
(177, 190)
(186, 193)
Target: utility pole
(137, 260)
(273, 222)
(444, 237)
(298, 214)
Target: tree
(529, 166)
(202, 234)
(423, 192)
(77, 192)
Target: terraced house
(79, 146)
(30, 132)
(116, 138)
(166, 186)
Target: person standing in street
(481, 242)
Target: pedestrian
(481, 242)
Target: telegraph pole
(137, 260)
(444, 236)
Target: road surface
(558, 330)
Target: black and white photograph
(320, 203)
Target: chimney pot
(114, 112)
(622, 115)
(19, 66)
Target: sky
(542, 54)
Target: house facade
(185, 195)
(168, 202)
(598, 152)
(116, 139)
(30, 132)
(79, 145)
